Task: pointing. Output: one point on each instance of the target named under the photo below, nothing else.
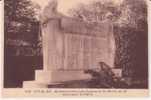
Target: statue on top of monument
(50, 12)
(52, 5)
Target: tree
(20, 20)
(21, 23)
(132, 39)
(21, 29)
(96, 12)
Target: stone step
(58, 76)
(34, 84)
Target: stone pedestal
(45, 78)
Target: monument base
(45, 78)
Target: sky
(65, 5)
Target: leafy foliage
(21, 29)
(20, 20)
(21, 24)
(131, 37)
(97, 11)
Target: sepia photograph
(76, 44)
